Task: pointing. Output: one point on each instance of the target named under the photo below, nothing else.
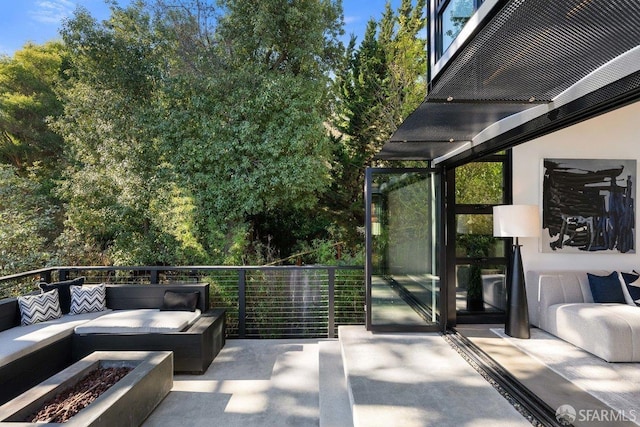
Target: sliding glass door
(480, 259)
(403, 249)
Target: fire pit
(126, 403)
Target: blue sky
(39, 20)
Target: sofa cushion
(64, 293)
(20, 341)
(139, 322)
(545, 288)
(39, 308)
(610, 331)
(606, 289)
(179, 301)
(88, 299)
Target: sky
(38, 21)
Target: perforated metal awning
(437, 128)
(527, 53)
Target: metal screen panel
(452, 122)
(539, 48)
(530, 52)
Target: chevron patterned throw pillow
(38, 308)
(87, 299)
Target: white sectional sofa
(561, 303)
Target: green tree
(26, 220)
(27, 100)
(30, 154)
(479, 183)
(380, 83)
(118, 187)
(189, 129)
(285, 51)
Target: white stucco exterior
(615, 135)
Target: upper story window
(452, 15)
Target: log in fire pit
(144, 379)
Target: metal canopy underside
(436, 128)
(529, 52)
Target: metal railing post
(332, 302)
(154, 277)
(242, 302)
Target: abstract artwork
(588, 205)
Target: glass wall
(480, 258)
(402, 236)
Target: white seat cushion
(139, 322)
(545, 288)
(20, 341)
(610, 331)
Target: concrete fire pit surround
(127, 403)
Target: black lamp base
(517, 324)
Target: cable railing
(261, 301)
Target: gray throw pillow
(88, 299)
(38, 308)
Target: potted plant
(476, 246)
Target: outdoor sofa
(596, 310)
(30, 354)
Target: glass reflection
(453, 18)
(481, 288)
(404, 282)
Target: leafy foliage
(187, 132)
(479, 183)
(31, 157)
(202, 132)
(26, 220)
(380, 83)
(117, 175)
(27, 99)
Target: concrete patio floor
(250, 383)
(392, 380)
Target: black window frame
(452, 260)
(440, 6)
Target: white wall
(615, 135)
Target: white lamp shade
(516, 221)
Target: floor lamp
(516, 221)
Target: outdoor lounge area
(257, 382)
(38, 341)
(367, 379)
(497, 281)
(476, 375)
